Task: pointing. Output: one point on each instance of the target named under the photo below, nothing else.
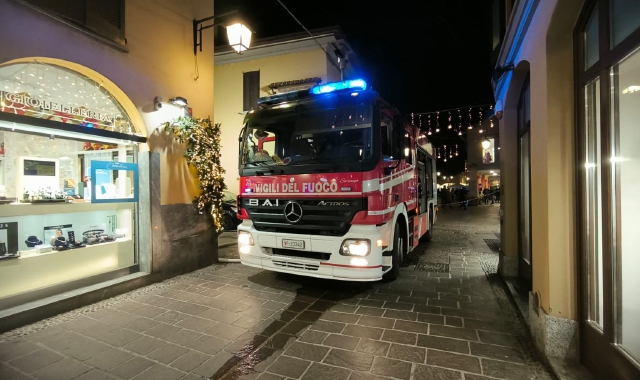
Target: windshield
(333, 129)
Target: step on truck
(334, 183)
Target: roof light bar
(331, 87)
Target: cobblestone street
(447, 318)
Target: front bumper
(337, 267)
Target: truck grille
(331, 217)
(292, 265)
(295, 254)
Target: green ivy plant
(202, 139)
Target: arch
(119, 95)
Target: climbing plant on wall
(202, 139)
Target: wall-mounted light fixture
(157, 103)
(179, 101)
(238, 33)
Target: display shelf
(22, 209)
(51, 268)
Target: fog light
(359, 261)
(244, 249)
(244, 238)
(355, 247)
(379, 243)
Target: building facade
(95, 199)
(566, 88)
(274, 65)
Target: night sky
(421, 55)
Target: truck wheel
(397, 255)
(226, 222)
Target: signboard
(113, 182)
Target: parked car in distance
(229, 212)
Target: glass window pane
(591, 45)
(593, 198)
(625, 19)
(625, 116)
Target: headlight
(355, 247)
(244, 238)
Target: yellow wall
(548, 49)
(228, 102)
(159, 62)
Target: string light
(470, 126)
(437, 121)
(449, 126)
(456, 149)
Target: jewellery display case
(56, 243)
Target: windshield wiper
(259, 162)
(270, 171)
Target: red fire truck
(334, 183)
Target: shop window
(488, 151)
(251, 90)
(624, 124)
(103, 17)
(68, 183)
(50, 230)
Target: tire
(397, 255)
(226, 222)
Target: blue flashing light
(331, 87)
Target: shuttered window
(251, 90)
(102, 17)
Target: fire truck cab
(334, 183)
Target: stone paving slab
(235, 322)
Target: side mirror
(398, 136)
(406, 151)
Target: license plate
(295, 244)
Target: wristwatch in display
(61, 244)
(32, 241)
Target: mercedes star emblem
(293, 212)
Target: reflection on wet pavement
(308, 305)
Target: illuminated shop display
(68, 181)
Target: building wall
(159, 62)
(173, 238)
(546, 55)
(229, 90)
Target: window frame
(598, 349)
